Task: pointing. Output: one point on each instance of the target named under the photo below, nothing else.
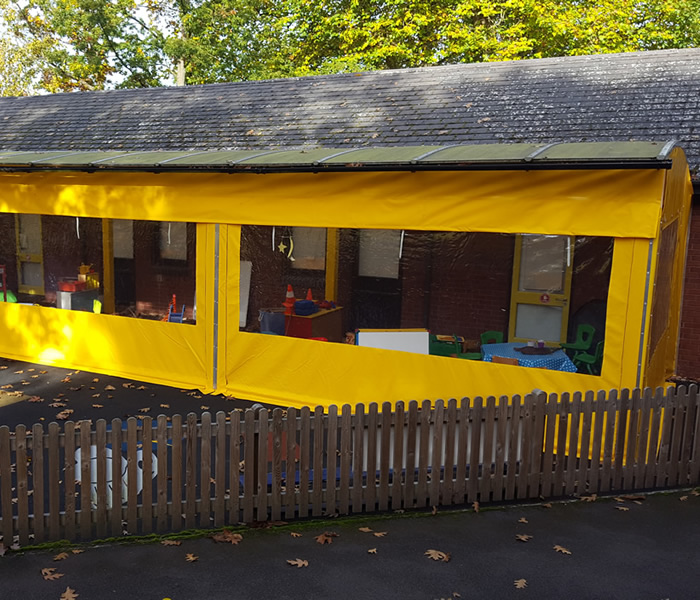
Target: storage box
(71, 285)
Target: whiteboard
(405, 340)
(246, 267)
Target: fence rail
(82, 481)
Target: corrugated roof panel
(384, 155)
(482, 152)
(603, 151)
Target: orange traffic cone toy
(308, 295)
(289, 301)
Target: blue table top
(556, 361)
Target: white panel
(244, 289)
(379, 253)
(123, 235)
(536, 322)
(405, 341)
(543, 262)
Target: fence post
(6, 487)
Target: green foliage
(61, 45)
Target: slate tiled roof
(614, 97)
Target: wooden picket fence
(175, 474)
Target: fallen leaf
(227, 537)
(520, 584)
(547, 505)
(77, 551)
(683, 498)
(326, 537)
(523, 537)
(523, 520)
(109, 388)
(298, 562)
(366, 529)
(294, 534)
(622, 508)
(61, 556)
(128, 385)
(36, 399)
(435, 510)
(191, 557)
(379, 533)
(591, 498)
(618, 499)
(437, 555)
(57, 405)
(97, 395)
(171, 542)
(69, 594)
(475, 506)
(144, 410)
(372, 551)
(49, 574)
(204, 407)
(165, 405)
(561, 549)
(19, 372)
(695, 493)
(64, 414)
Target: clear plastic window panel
(59, 261)
(451, 287)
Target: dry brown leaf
(35, 399)
(547, 505)
(69, 594)
(622, 508)
(437, 555)
(64, 414)
(523, 537)
(326, 537)
(475, 506)
(619, 499)
(435, 510)
(523, 520)
(49, 574)
(61, 556)
(695, 493)
(97, 395)
(96, 380)
(165, 405)
(520, 584)
(632, 498)
(591, 498)
(171, 542)
(128, 385)
(366, 529)
(561, 549)
(294, 534)
(57, 405)
(77, 551)
(683, 498)
(191, 557)
(298, 562)
(379, 533)
(144, 410)
(19, 372)
(227, 537)
(372, 551)
(203, 407)
(65, 380)
(109, 388)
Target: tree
(90, 44)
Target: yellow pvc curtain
(617, 203)
(624, 204)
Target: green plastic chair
(584, 339)
(592, 362)
(492, 337)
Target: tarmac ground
(638, 548)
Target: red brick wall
(689, 348)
